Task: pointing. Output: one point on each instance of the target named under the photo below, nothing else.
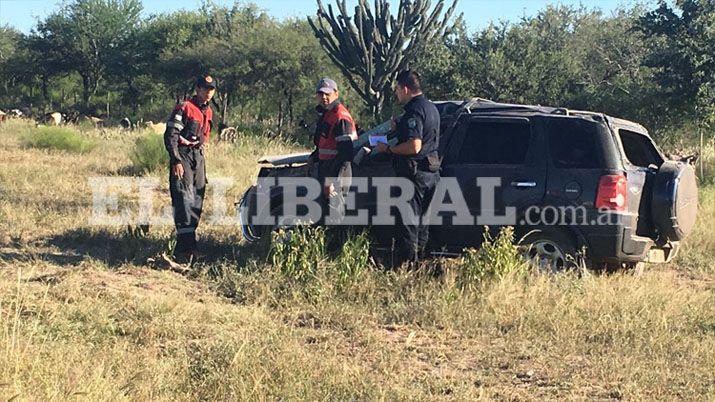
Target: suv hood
(281, 160)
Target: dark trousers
(341, 174)
(412, 237)
(187, 198)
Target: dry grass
(84, 316)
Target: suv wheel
(550, 250)
(675, 200)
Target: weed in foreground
(497, 257)
(354, 258)
(297, 252)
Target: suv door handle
(523, 184)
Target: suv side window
(639, 150)
(495, 143)
(572, 144)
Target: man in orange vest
(334, 135)
(187, 133)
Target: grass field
(84, 314)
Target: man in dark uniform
(415, 157)
(187, 134)
(334, 135)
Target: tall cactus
(370, 48)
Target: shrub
(496, 258)
(59, 138)
(354, 258)
(298, 251)
(149, 153)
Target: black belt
(191, 146)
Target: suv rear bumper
(620, 244)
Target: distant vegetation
(149, 153)
(655, 66)
(58, 138)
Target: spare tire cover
(675, 200)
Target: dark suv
(573, 180)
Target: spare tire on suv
(675, 200)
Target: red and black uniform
(333, 138)
(187, 130)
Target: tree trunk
(86, 92)
(290, 107)
(377, 103)
(280, 114)
(224, 111)
(45, 92)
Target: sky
(24, 14)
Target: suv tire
(550, 249)
(675, 200)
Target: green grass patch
(58, 138)
(149, 153)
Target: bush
(496, 258)
(298, 251)
(353, 259)
(59, 138)
(149, 153)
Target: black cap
(206, 81)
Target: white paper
(376, 139)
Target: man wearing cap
(415, 157)
(187, 132)
(333, 139)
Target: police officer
(415, 157)
(187, 133)
(333, 138)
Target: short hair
(409, 79)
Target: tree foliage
(684, 60)
(90, 36)
(372, 46)
(654, 65)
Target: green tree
(10, 47)
(88, 34)
(563, 56)
(685, 56)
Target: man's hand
(329, 191)
(381, 147)
(309, 165)
(178, 170)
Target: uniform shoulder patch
(411, 122)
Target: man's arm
(407, 148)
(174, 125)
(411, 125)
(344, 135)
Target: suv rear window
(495, 143)
(639, 149)
(572, 144)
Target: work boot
(185, 257)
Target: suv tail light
(612, 192)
